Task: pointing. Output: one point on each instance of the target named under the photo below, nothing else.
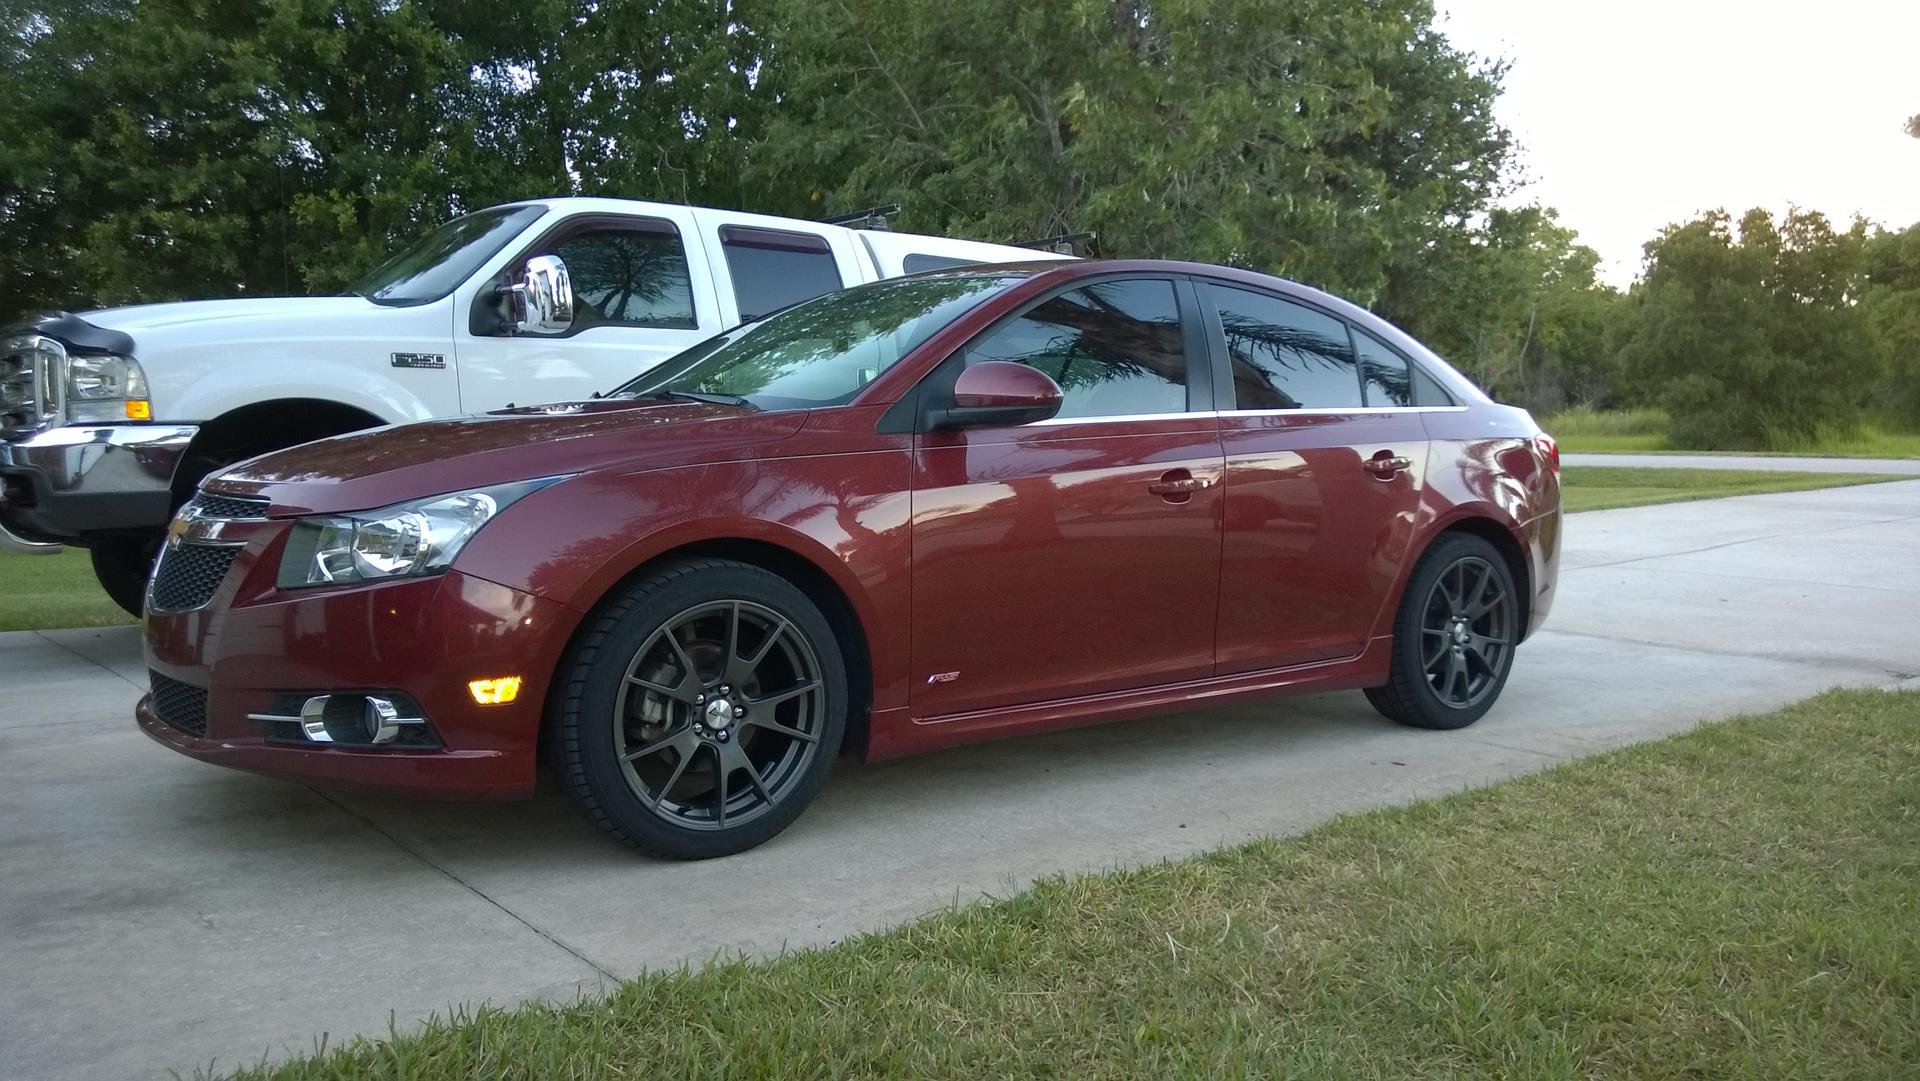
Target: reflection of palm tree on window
(1263, 350)
(634, 279)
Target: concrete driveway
(157, 913)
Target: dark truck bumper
(59, 485)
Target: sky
(1633, 115)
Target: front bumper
(425, 638)
(61, 484)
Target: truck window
(447, 256)
(629, 275)
(772, 269)
(917, 263)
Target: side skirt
(897, 732)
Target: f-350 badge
(419, 360)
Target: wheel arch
(292, 421)
(1505, 540)
(816, 581)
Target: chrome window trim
(1121, 418)
(1360, 410)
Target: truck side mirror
(542, 301)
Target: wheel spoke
(1456, 673)
(740, 669)
(685, 658)
(771, 700)
(679, 768)
(735, 758)
(678, 740)
(686, 691)
(720, 772)
(772, 725)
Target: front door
(1325, 462)
(1072, 556)
(641, 294)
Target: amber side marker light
(495, 692)
(139, 410)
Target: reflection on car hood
(409, 461)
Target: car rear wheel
(702, 710)
(1453, 638)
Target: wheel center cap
(1460, 634)
(719, 713)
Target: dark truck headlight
(402, 541)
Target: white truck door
(762, 264)
(643, 290)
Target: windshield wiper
(697, 396)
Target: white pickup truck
(108, 419)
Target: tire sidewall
(585, 728)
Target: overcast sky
(1636, 114)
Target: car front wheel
(1453, 638)
(701, 711)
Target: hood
(141, 317)
(390, 465)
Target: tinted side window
(1385, 373)
(628, 277)
(915, 263)
(1285, 355)
(1115, 348)
(772, 269)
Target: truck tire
(123, 564)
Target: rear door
(1055, 559)
(762, 265)
(1324, 470)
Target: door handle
(1386, 463)
(1178, 485)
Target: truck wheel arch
(259, 427)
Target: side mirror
(999, 392)
(542, 301)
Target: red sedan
(913, 514)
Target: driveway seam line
(62, 645)
(1742, 540)
(605, 973)
(1777, 658)
(1758, 578)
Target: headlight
(106, 388)
(410, 539)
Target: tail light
(1549, 451)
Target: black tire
(1457, 685)
(123, 565)
(640, 778)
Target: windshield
(448, 256)
(821, 352)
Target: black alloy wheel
(704, 709)
(1454, 637)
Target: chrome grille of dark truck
(188, 575)
(179, 705)
(238, 507)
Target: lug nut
(739, 712)
(721, 735)
(699, 699)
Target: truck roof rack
(874, 217)
(1060, 243)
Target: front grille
(27, 391)
(188, 575)
(179, 705)
(215, 505)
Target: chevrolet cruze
(913, 514)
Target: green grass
(1739, 901)
(39, 592)
(1644, 431)
(1598, 487)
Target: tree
(1754, 333)
(1325, 140)
(1892, 305)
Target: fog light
(495, 692)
